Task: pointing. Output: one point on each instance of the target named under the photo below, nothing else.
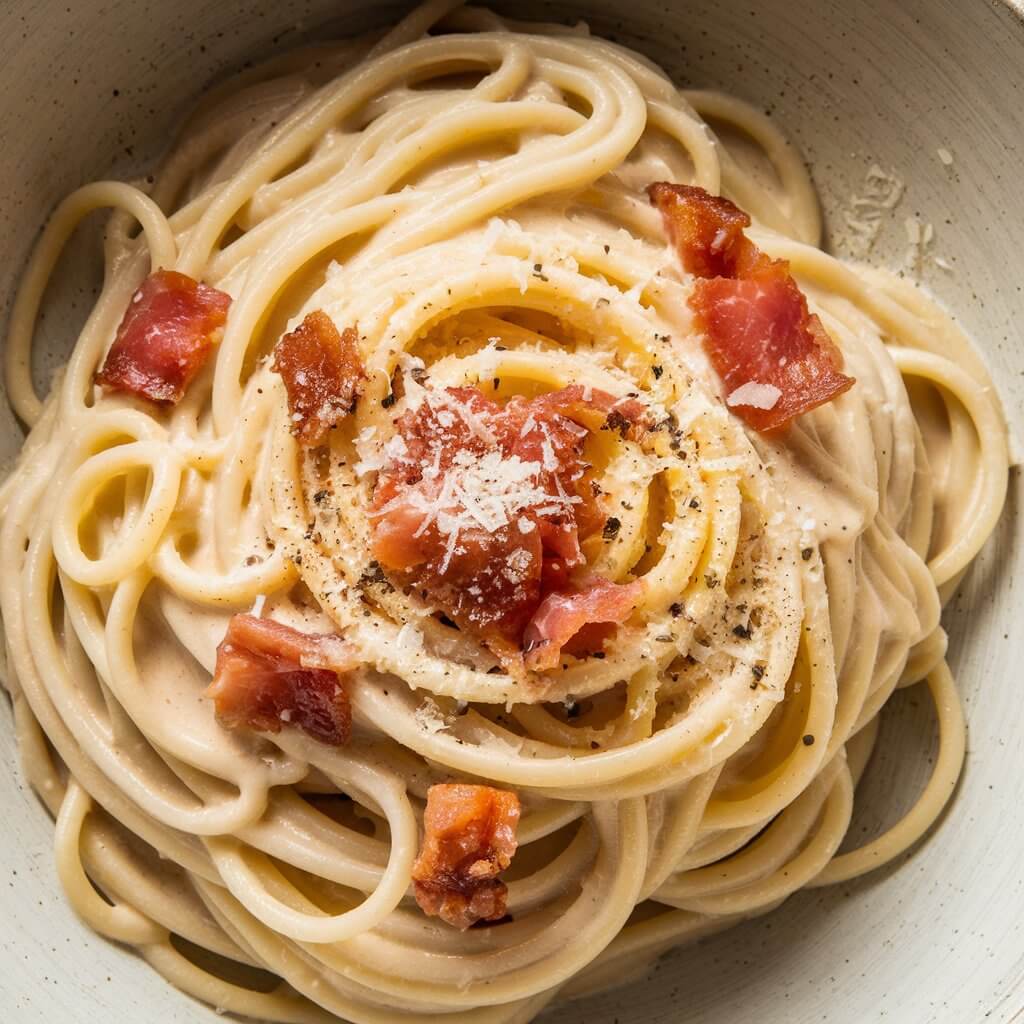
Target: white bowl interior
(95, 90)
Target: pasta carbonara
(611, 682)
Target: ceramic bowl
(929, 90)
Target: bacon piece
(562, 542)
(598, 410)
(268, 675)
(775, 358)
(322, 373)
(484, 510)
(470, 837)
(397, 540)
(706, 230)
(165, 337)
(759, 331)
(562, 615)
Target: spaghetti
(467, 195)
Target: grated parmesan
(863, 218)
(755, 395)
(485, 492)
(409, 638)
(725, 464)
(429, 718)
(919, 237)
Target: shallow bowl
(929, 90)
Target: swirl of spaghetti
(535, 389)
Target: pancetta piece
(165, 337)
(705, 230)
(561, 616)
(595, 409)
(775, 359)
(469, 839)
(483, 506)
(323, 375)
(269, 675)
